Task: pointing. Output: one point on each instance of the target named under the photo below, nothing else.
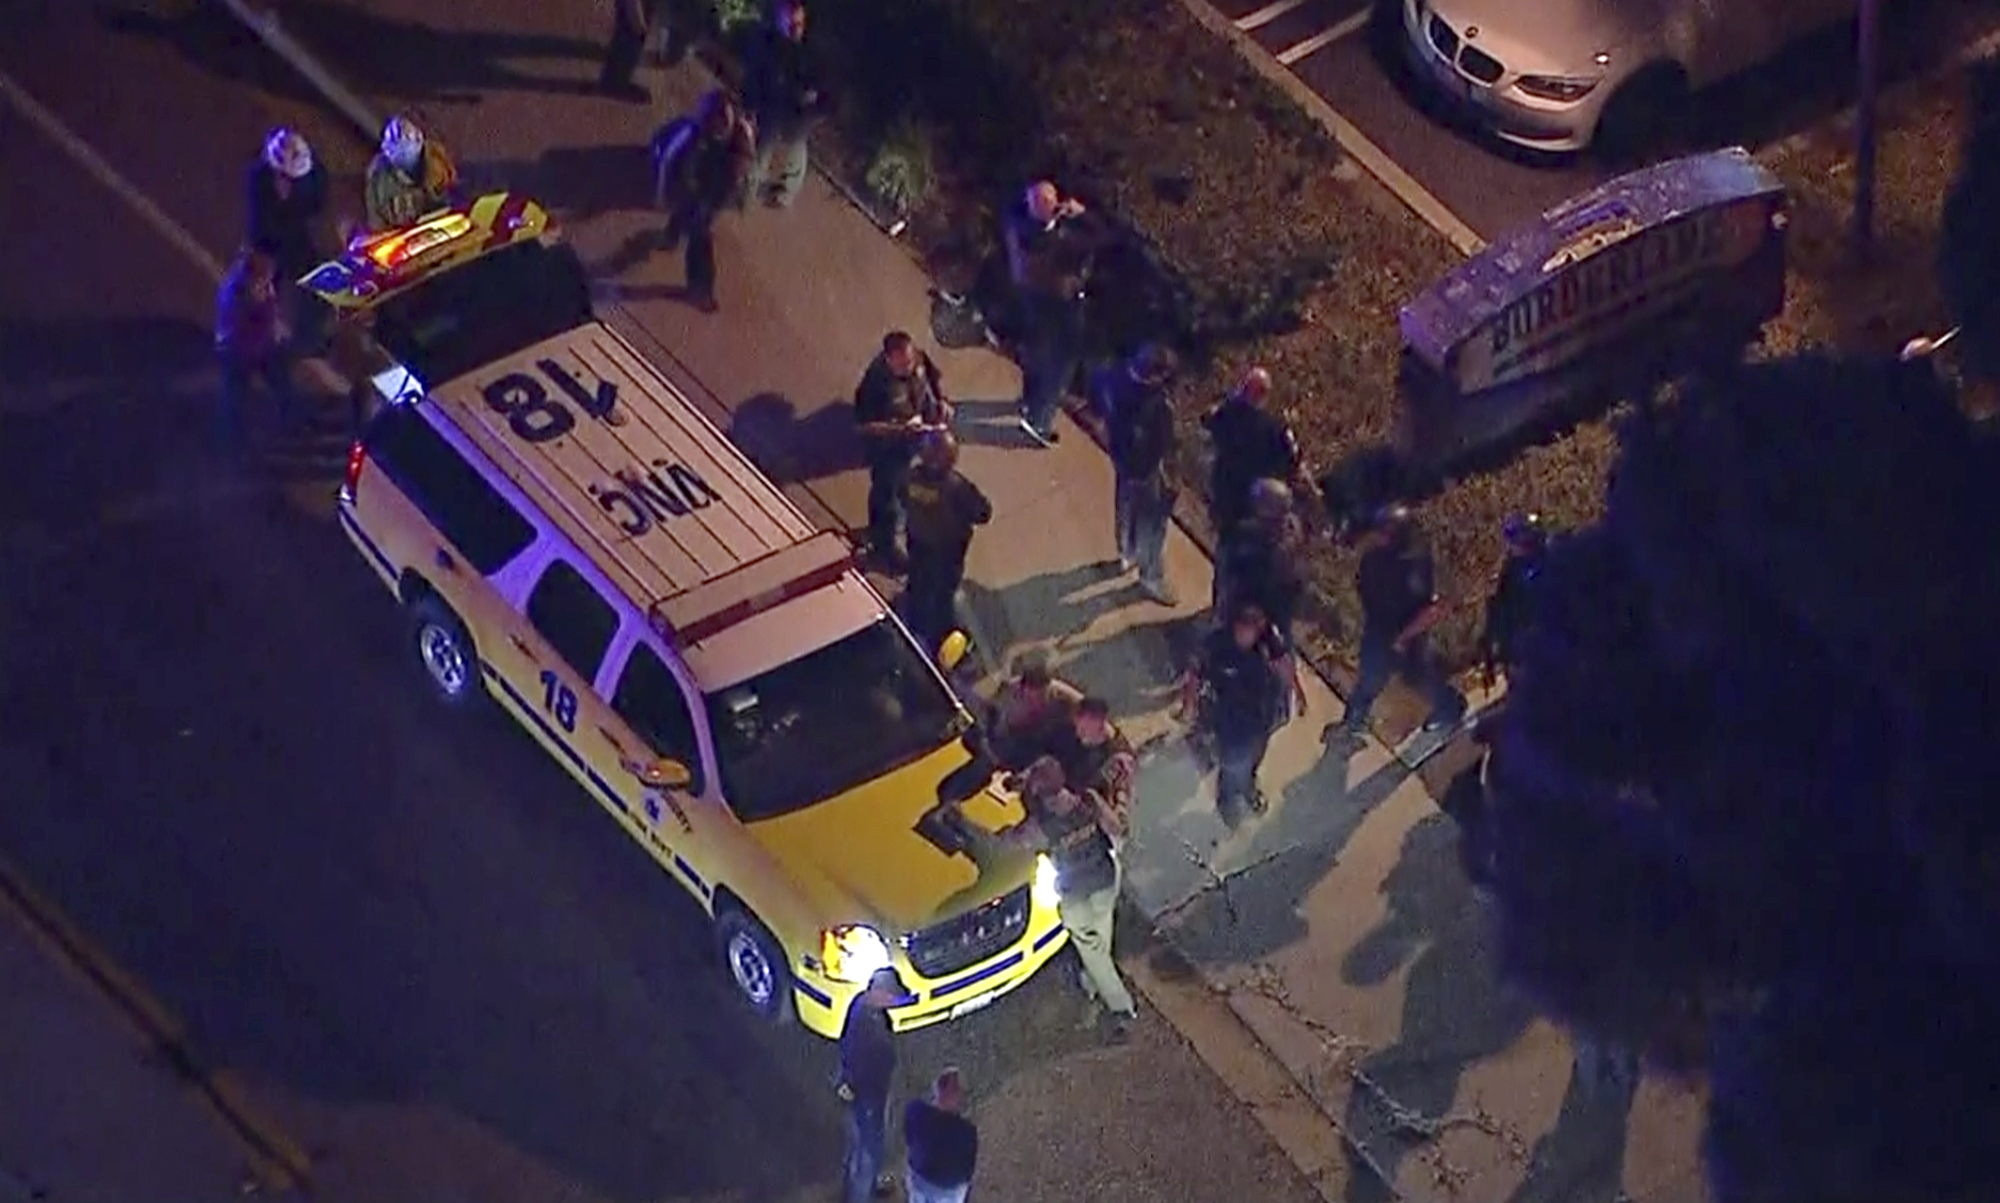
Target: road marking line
(1432, 211)
(1267, 14)
(1324, 38)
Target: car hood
(1555, 37)
(860, 858)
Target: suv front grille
(945, 948)
(1480, 65)
(1443, 38)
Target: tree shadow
(379, 55)
(791, 449)
(1454, 1012)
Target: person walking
(1399, 607)
(1507, 606)
(943, 1144)
(701, 166)
(1049, 244)
(941, 509)
(899, 400)
(1259, 562)
(785, 93)
(1076, 832)
(285, 200)
(1140, 424)
(250, 339)
(1030, 713)
(867, 1070)
(1237, 693)
(1250, 444)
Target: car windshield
(825, 723)
(486, 310)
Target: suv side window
(569, 612)
(649, 698)
(470, 513)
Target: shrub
(900, 174)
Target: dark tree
(1969, 249)
(1740, 812)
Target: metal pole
(1864, 128)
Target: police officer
(942, 508)
(1132, 399)
(1250, 444)
(1049, 248)
(1399, 607)
(1259, 562)
(899, 399)
(1236, 693)
(702, 167)
(1507, 607)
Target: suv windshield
(827, 722)
(486, 310)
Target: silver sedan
(1563, 75)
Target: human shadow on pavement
(375, 54)
(577, 183)
(792, 449)
(1455, 1012)
(1135, 670)
(1049, 606)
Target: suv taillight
(357, 455)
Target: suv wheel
(445, 652)
(755, 964)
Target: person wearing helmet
(410, 177)
(286, 197)
(1507, 608)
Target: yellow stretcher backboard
(379, 266)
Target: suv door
(550, 660)
(656, 716)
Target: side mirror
(951, 653)
(660, 774)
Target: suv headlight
(1556, 87)
(853, 952)
(1046, 894)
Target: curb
(277, 1162)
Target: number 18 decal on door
(558, 699)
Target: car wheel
(445, 652)
(754, 964)
(1643, 118)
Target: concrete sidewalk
(1337, 927)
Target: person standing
(867, 1070)
(1399, 607)
(943, 1145)
(1507, 607)
(250, 340)
(1259, 560)
(1140, 424)
(783, 89)
(1076, 831)
(899, 400)
(1250, 444)
(702, 166)
(631, 21)
(1237, 692)
(410, 176)
(942, 508)
(1049, 247)
(286, 197)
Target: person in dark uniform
(1237, 692)
(703, 167)
(900, 398)
(1399, 606)
(1507, 607)
(867, 1071)
(286, 199)
(1140, 423)
(1049, 244)
(1250, 444)
(631, 20)
(1259, 561)
(941, 510)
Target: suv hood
(860, 858)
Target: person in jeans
(1077, 832)
(1049, 242)
(899, 400)
(250, 338)
(867, 1070)
(703, 163)
(943, 1145)
(1399, 606)
(1140, 424)
(1236, 692)
(783, 90)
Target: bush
(732, 15)
(899, 174)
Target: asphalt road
(416, 941)
(1494, 187)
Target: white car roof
(672, 513)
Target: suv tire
(445, 652)
(754, 964)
